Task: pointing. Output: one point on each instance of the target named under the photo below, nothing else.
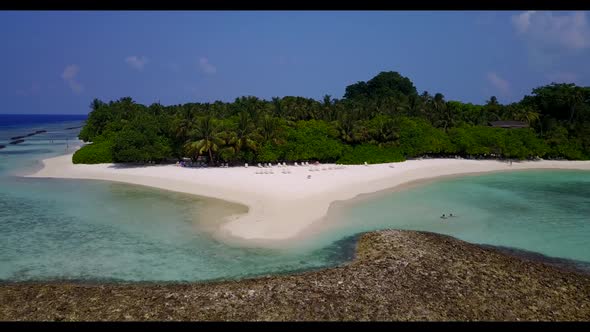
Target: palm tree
(482, 117)
(427, 109)
(493, 101)
(426, 97)
(527, 114)
(227, 139)
(574, 98)
(439, 106)
(438, 102)
(385, 129)
(276, 101)
(511, 112)
(127, 106)
(219, 109)
(327, 110)
(185, 122)
(446, 120)
(269, 128)
(361, 133)
(244, 132)
(96, 104)
(395, 105)
(346, 127)
(207, 141)
(183, 128)
(414, 105)
(493, 109)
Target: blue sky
(57, 62)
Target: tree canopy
(381, 87)
(382, 119)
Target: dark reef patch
(396, 275)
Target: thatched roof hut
(509, 124)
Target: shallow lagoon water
(52, 229)
(545, 211)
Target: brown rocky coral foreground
(397, 275)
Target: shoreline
(284, 208)
(413, 276)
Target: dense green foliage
(140, 140)
(371, 154)
(95, 153)
(382, 120)
(487, 141)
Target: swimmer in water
(443, 216)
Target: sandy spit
(282, 206)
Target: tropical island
(295, 166)
(403, 138)
(373, 140)
(381, 120)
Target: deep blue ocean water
(20, 120)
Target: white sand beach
(281, 206)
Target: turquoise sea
(544, 211)
(96, 231)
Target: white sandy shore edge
(281, 206)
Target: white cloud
(70, 72)
(546, 31)
(137, 62)
(523, 21)
(498, 83)
(69, 75)
(206, 67)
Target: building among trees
(509, 124)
